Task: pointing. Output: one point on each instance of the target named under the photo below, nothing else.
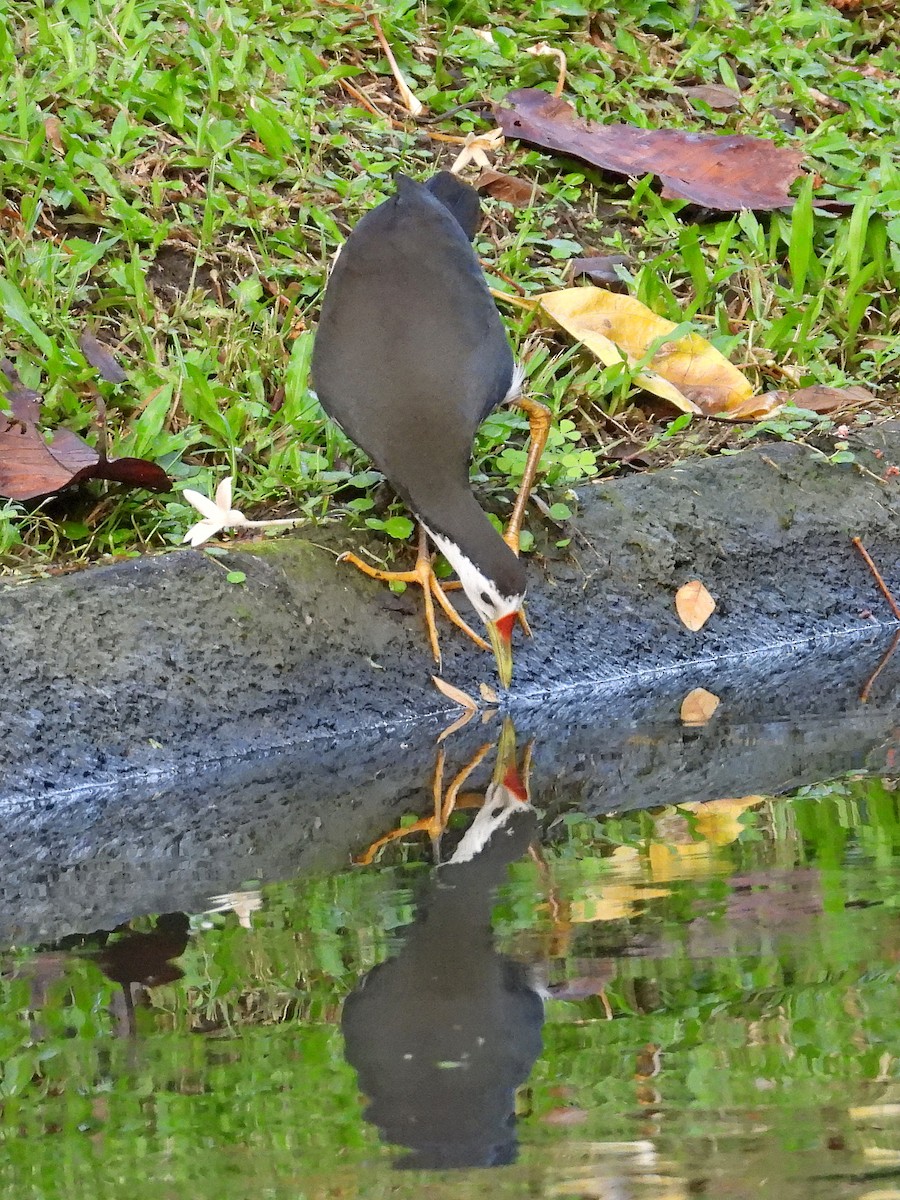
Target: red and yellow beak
(500, 636)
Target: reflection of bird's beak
(506, 769)
(500, 635)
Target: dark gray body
(411, 355)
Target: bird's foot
(423, 575)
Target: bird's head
(499, 614)
(496, 592)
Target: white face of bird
(498, 612)
(483, 595)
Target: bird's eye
(486, 599)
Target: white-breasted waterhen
(410, 356)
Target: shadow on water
(628, 971)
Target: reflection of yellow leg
(422, 574)
(444, 805)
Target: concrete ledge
(158, 668)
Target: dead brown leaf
(52, 129)
(32, 467)
(719, 171)
(565, 1116)
(698, 706)
(600, 269)
(694, 605)
(716, 95)
(488, 694)
(821, 399)
(518, 192)
(100, 357)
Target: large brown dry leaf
(31, 467)
(689, 372)
(726, 172)
(821, 399)
(694, 605)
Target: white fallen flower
(242, 904)
(476, 148)
(218, 515)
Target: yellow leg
(423, 575)
(539, 420)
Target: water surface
(691, 1000)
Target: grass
(177, 177)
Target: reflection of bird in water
(135, 960)
(443, 1034)
(144, 960)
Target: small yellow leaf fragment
(694, 605)
(698, 706)
(457, 695)
(488, 694)
(688, 372)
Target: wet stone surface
(158, 667)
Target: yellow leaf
(683, 861)
(694, 605)
(868, 1112)
(698, 706)
(611, 902)
(718, 821)
(688, 372)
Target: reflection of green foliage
(766, 1006)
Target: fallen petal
(223, 494)
(206, 507)
(202, 532)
